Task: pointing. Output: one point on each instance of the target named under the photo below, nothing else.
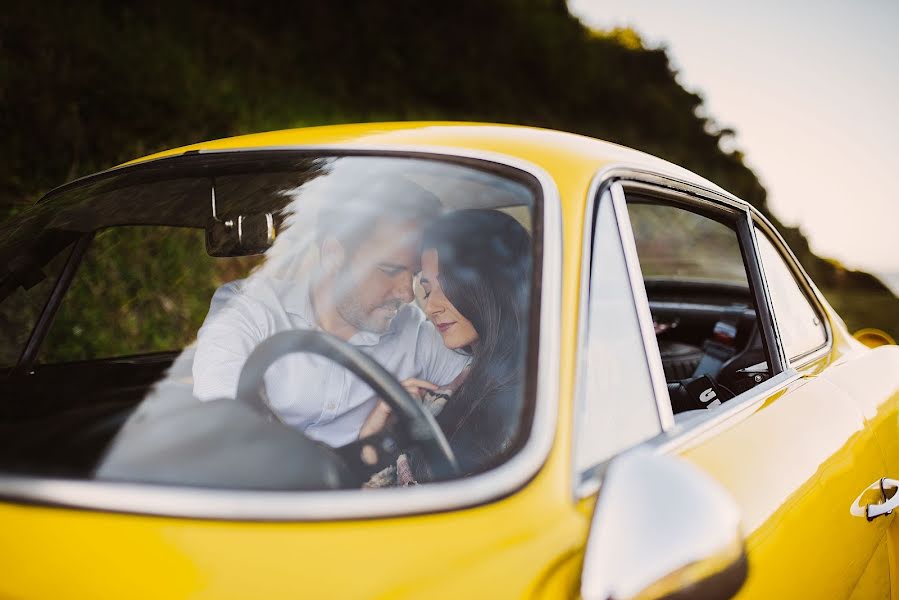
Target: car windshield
(197, 320)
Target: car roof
(565, 156)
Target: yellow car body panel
(531, 543)
(797, 536)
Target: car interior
(704, 315)
(64, 398)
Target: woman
(476, 267)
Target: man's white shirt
(310, 392)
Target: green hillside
(84, 86)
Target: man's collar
(296, 301)
(366, 338)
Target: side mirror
(241, 235)
(662, 529)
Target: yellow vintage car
(430, 360)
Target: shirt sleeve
(439, 364)
(223, 344)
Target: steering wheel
(415, 428)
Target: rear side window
(619, 407)
(801, 327)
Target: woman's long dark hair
(484, 264)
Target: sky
(812, 90)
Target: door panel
(795, 467)
(870, 378)
(874, 582)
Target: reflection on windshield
(424, 267)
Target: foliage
(862, 308)
(137, 317)
(118, 307)
(87, 85)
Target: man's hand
(378, 417)
(417, 387)
(376, 420)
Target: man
(360, 291)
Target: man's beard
(366, 319)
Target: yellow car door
(793, 451)
(871, 381)
(796, 463)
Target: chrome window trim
(587, 482)
(806, 286)
(197, 503)
(766, 308)
(724, 205)
(805, 360)
(644, 316)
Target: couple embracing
(460, 347)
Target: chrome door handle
(886, 507)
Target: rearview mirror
(241, 235)
(662, 529)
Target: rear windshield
(202, 320)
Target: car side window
(675, 244)
(801, 328)
(112, 308)
(706, 325)
(20, 310)
(617, 407)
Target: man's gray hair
(350, 216)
